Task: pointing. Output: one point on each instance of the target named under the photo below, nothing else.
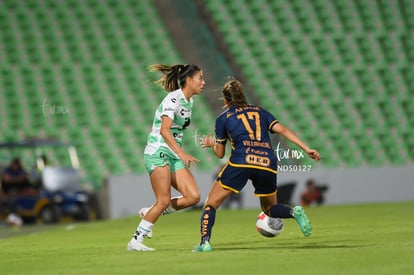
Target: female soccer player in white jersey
(166, 162)
(247, 128)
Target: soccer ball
(268, 226)
(14, 220)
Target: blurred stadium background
(339, 73)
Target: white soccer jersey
(176, 107)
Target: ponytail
(175, 75)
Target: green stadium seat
(352, 57)
(348, 60)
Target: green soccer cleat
(205, 247)
(302, 220)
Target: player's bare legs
(217, 195)
(267, 202)
(183, 181)
(160, 181)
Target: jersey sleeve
(169, 106)
(221, 133)
(270, 120)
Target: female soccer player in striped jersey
(165, 160)
(247, 128)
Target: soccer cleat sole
(138, 247)
(302, 220)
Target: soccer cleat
(302, 220)
(143, 211)
(168, 210)
(135, 245)
(205, 247)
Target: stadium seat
(91, 59)
(342, 67)
(353, 55)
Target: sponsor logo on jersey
(257, 160)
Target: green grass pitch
(348, 239)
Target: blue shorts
(234, 178)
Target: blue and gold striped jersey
(247, 129)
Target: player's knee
(212, 203)
(162, 204)
(194, 198)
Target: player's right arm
(219, 150)
(166, 134)
(169, 106)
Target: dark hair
(174, 75)
(233, 93)
(16, 161)
(310, 182)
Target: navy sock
(206, 224)
(281, 211)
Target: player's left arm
(290, 135)
(218, 144)
(219, 149)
